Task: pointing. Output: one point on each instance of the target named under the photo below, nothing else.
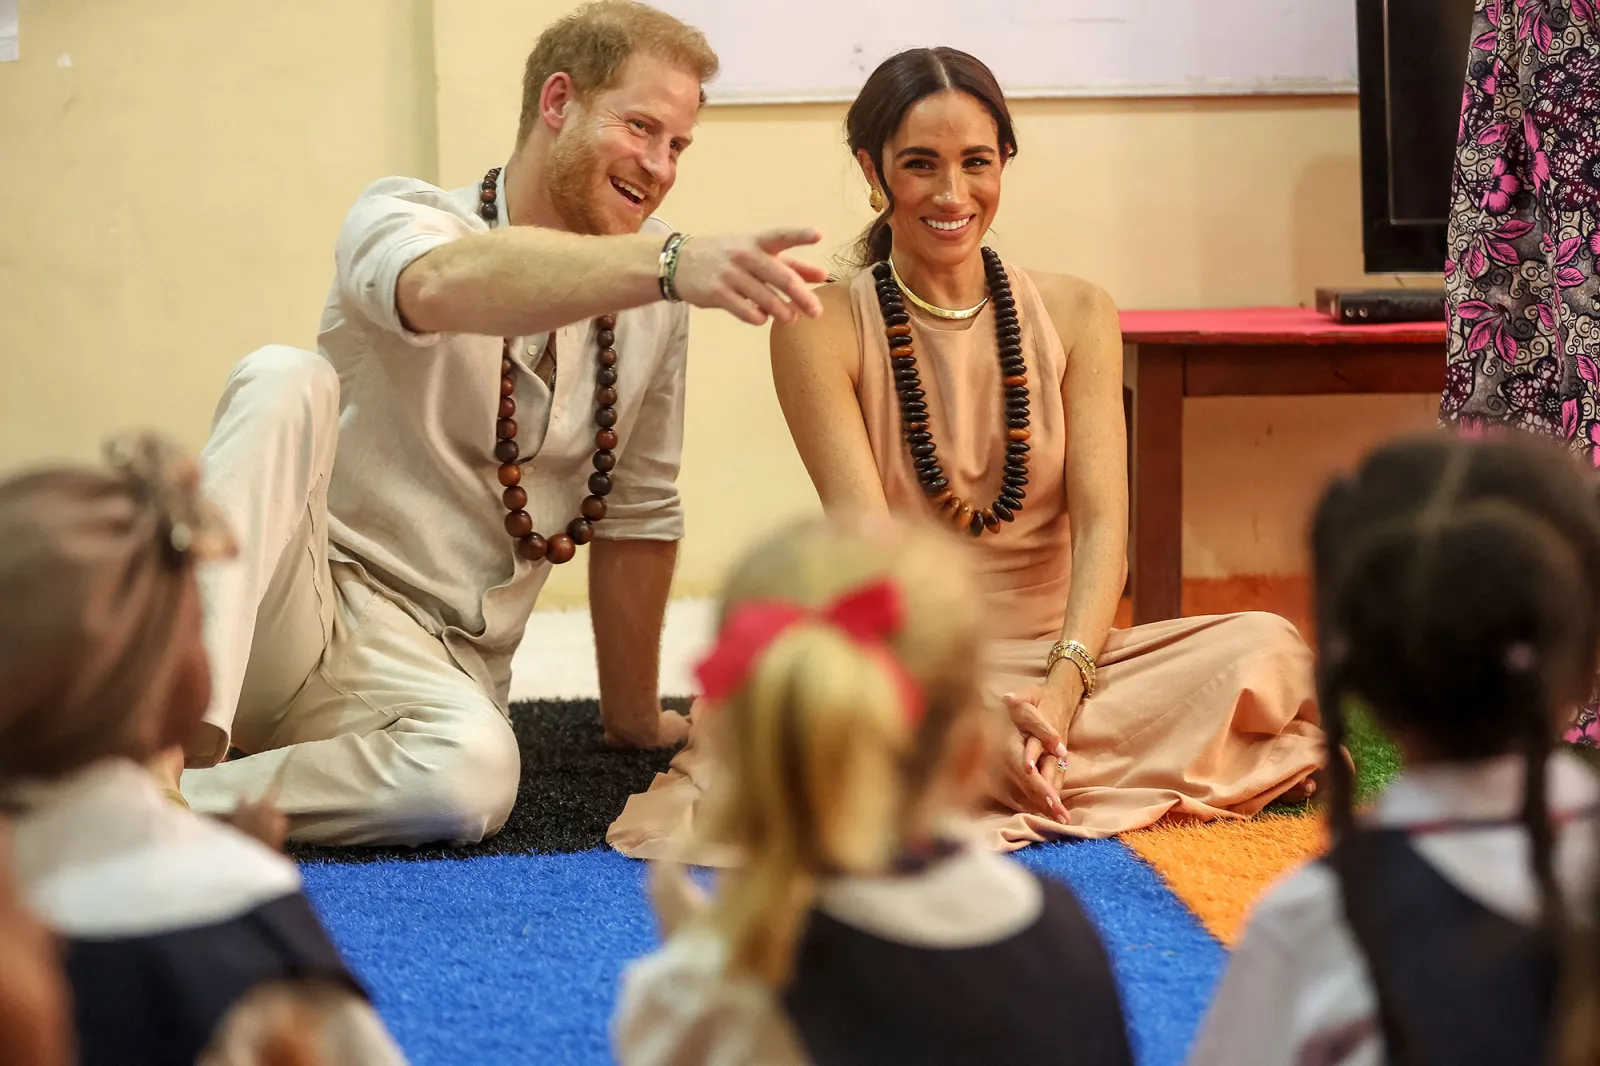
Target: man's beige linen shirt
(414, 502)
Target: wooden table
(1272, 351)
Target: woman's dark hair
(899, 83)
(1458, 599)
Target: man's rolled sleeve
(394, 223)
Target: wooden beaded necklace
(914, 406)
(559, 547)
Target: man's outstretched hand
(748, 276)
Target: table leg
(1157, 504)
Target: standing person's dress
(1524, 238)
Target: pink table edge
(1266, 325)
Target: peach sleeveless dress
(1197, 718)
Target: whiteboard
(792, 51)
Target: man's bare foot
(671, 730)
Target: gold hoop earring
(875, 201)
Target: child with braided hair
(1458, 602)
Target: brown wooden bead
(1017, 434)
(560, 549)
(1015, 379)
(606, 439)
(605, 338)
(515, 497)
(486, 194)
(952, 503)
(975, 527)
(608, 321)
(961, 518)
(510, 474)
(608, 357)
(902, 330)
(580, 531)
(508, 407)
(519, 523)
(605, 417)
(593, 508)
(939, 500)
(605, 396)
(505, 451)
(506, 427)
(508, 385)
(532, 547)
(990, 519)
(918, 426)
(605, 461)
(606, 375)
(600, 484)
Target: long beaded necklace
(914, 406)
(559, 547)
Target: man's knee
(467, 782)
(288, 386)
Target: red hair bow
(868, 615)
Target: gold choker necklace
(937, 312)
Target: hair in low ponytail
(815, 751)
(823, 763)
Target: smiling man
(499, 382)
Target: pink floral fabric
(1524, 237)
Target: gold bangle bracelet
(1074, 650)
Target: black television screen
(1413, 63)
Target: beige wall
(169, 202)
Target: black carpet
(572, 788)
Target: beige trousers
(354, 713)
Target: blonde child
(861, 923)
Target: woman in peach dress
(942, 382)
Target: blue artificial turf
(1167, 965)
(515, 958)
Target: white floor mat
(556, 660)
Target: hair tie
(167, 482)
(868, 616)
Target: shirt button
(533, 349)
